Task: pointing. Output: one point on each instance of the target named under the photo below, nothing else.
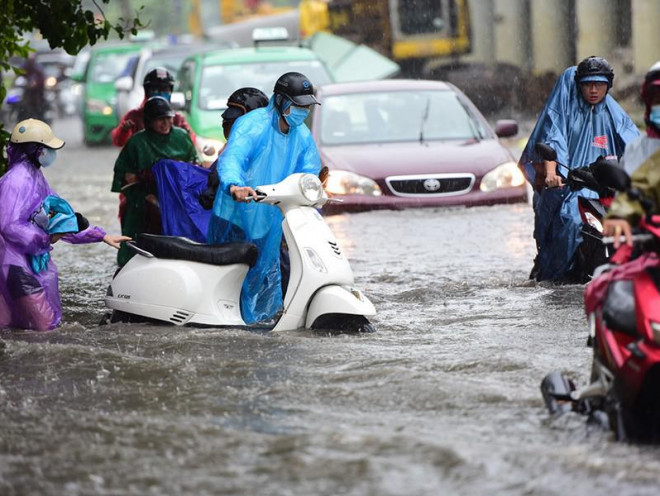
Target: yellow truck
(408, 32)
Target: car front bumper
(359, 203)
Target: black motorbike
(596, 176)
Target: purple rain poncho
(28, 300)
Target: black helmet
(242, 101)
(157, 107)
(158, 78)
(594, 69)
(296, 88)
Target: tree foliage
(69, 24)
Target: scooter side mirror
(612, 176)
(546, 152)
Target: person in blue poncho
(265, 146)
(582, 122)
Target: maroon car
(394, 144)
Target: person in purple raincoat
(29, 296)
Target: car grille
(431, 185)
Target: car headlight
(99, 107)
(209, 148)
(506, 175)
(348, 183)
(311, 187)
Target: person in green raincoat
(133, 176)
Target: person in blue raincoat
(265, 146)
(582, 122)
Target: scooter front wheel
(343, 323)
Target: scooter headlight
(311, 188)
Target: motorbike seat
(181, 248)
(619, 308)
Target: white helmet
(35, 131)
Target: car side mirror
(506, 128)
(124, 83)
(178, 101)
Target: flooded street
(443, 400)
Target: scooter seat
(181, 248)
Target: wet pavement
(443, 399)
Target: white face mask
(47, 156)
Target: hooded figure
(32, 217)
(579, 132)
(265, 146)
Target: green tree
(70, 24)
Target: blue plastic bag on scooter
(579, 133)
(179, 186)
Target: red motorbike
(622, 304)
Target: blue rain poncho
(179, 186)
(580, 133)
(258, 153)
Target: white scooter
(174, 279)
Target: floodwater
(443, 400)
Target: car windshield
(109, 66)
(396, 116)
(172, 63)
(220, 81)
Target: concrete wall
(645, 34)
(552, 37)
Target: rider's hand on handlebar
(243, 193)
(616, 228)
(552, 180)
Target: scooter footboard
(338, 300)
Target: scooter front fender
(338, 300)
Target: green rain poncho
(137, 214)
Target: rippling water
(443, 399)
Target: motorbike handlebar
(636, 238)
